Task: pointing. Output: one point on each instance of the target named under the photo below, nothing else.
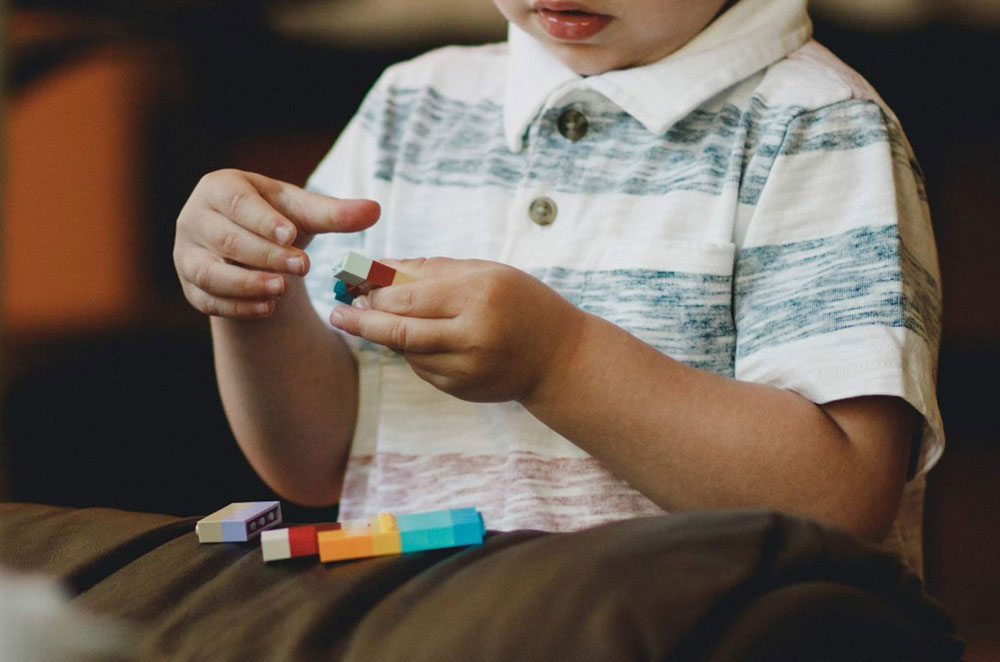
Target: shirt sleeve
(836, 286)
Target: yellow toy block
(385, 537)
(401, 278)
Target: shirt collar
(747, 38)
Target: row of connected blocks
(386, 534)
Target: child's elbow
(316, 495)
(312, 489)
(873, 527)
(868, 486)
(867, 515)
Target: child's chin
(585, 60)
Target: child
(689, 265)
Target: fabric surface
(748, 206)
(727, 585)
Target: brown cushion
(679, 586)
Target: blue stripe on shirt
(684, 315)
(863, 277)
(426, 138)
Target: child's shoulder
(451, 70)
(812, 77)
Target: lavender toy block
(238, 522)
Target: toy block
(446, 528)
(293, 542)
(357, 275)
(353, 268)
(468, 526)
(402, 278)
(385, 537)
(274, 545)
(238, 522)
(423, 531)
(426, 520)
(360, 539)
(343, 292)
(380, 275)
(302, 540)
(345, 544)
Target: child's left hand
(481, 331)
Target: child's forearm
(289, 388)
(686, 438)
(692, 439)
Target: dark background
(113, 112)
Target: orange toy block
(345, 544)
(361, 539)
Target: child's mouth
(569, 22)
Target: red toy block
(302, 539)
(380, 275)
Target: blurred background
(113, 109)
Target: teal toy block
(423, 539)
(441, 528)
(467, 526)
(429, 520)
(421, 531)
(341, 292)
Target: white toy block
(353, 268)
(274, 545)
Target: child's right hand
(240, 235)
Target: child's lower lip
(571, 26)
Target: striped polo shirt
(747, 205)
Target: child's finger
(233, 242)
(425, 267)
(411, 266)
(234, 308)
(313, 212)
(240, 202)
(405, 334)
(221, 279)
(417, 299)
